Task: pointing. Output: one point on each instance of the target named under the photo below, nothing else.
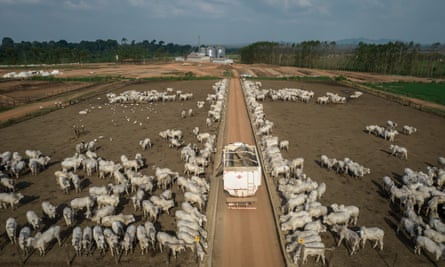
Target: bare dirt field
(334, 130)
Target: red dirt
(244, 237)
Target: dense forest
(391, 58)
(61, 52)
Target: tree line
(61, 52)
(397, 58)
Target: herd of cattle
(304, 217)
(95, 222)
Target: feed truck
(241, 174)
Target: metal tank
(211, 52)
(202, 50)
(220, 52)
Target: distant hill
(356, 41)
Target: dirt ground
(18, 92)
(334, 130)
(117, 133)
(337, 131)
(249, 231)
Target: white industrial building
(216, 54)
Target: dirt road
(244, 237)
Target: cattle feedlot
(336, 130)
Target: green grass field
(433, 92)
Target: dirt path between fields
(24, 110)
(244, 237)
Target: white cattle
(99, 238)
(186, 206)
(71, 163)
(76, 240)
(24, 234)
(11, 229)
(68, 216)
(64, 183)
(295, 222)
(137, 198)
(164, 205)
(315, 226)
(193, 169)
(399, 151)
(126, 219)
(151, 232)
(193, 198)
(183, 215)
(408, 130)
(284, 145)
(350, 236)
(40, 241)
(118, 228)
(104, 200)
(297, 163)
(49, 209)
(428, 245)
(112, 241)
(188, 239)
(8, 183)
(102, 212)
(127, 243)
(297, 200)
(353, 211)
(33, 219)
(10, 198)
(373, 234)
(340, 217)
(87, 240)
(145, 143)
(141, 234)
(81, 203)
(36, 164)
(164, 238)
(319, 252)
(149, 209)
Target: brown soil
(52, 134)
(334, 130)
(337, 131)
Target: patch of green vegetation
(432, 92)
(5, 108)
(227, 73)
(340, 78)
(79, 79)
(293, 78)
(180, 78)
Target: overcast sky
(222, 21)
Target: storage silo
(220, 52)
(211, 52)
(202, 50)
